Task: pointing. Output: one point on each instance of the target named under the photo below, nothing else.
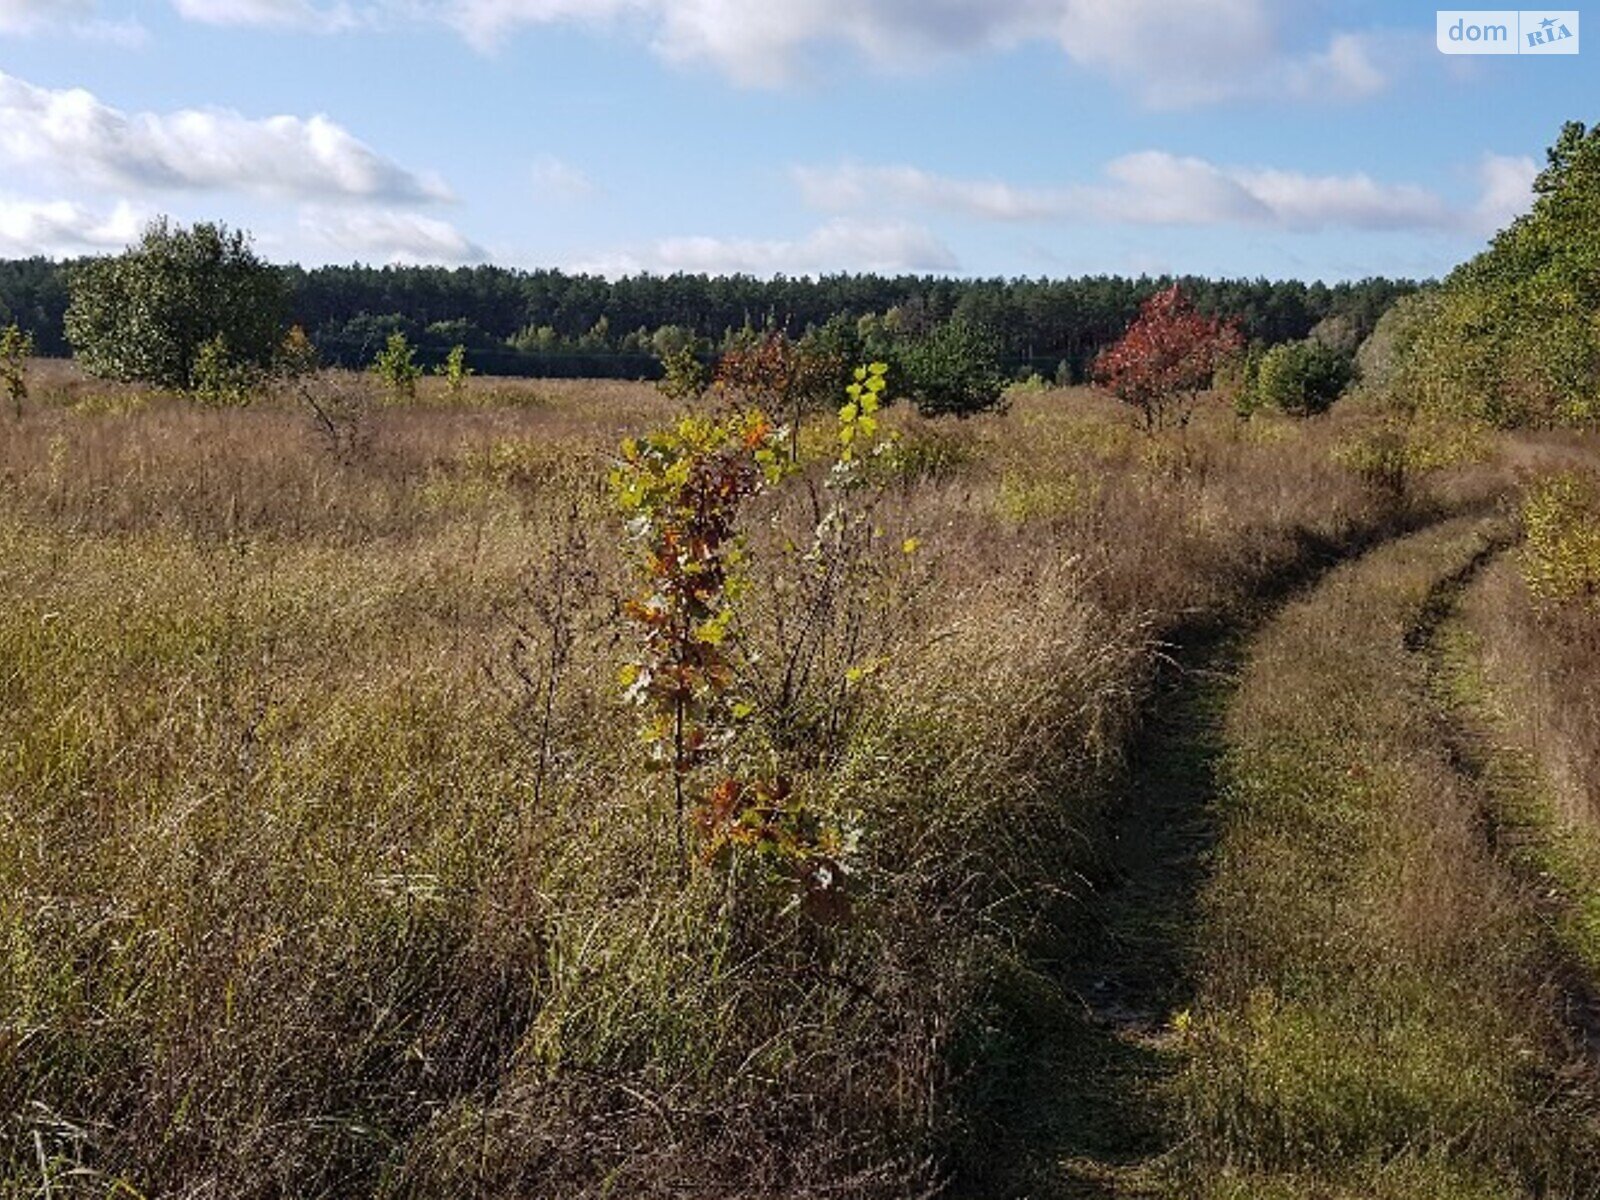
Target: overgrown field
(1373, 1017)
(331, 862)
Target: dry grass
(277, 912)
(1376, 1015)
(1545, 661)
(1525, 671)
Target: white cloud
(64, 228)
(390, 236)
(848, 187)
(1507, 189)
(1191, 52)
(74, 17)
(30, 16)
(841, 245)
(1353, 67)
(1171, 52)
(278, 14)
(556, 179)
(1150, 187)
(73, 135)
(1300, 201)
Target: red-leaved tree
(1166, 358)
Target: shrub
(145, 315)
(1391, 451)
(952, 369)
(16, 347)
(455, 372)
(787, 377)
(297, 356)
(1236, 379)
(1301, 378)
(685, 376)
(396, 368)
(217, 377)
(1561, 525)
(681, 491)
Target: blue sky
(968, 137)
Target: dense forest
(1512, 337)
(551, 323)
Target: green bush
(954, 368)
(1561, 524)
(685, 377)
(1301, 378)
(455, 372)
(218, 377)
(16, 347)
(146, 314)
(396, 368)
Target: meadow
(332, 862)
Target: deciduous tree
(1167, 357)
(396, 368)
(952, 369)
(145, 315)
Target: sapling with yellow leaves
(681, 492)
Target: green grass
(1370, 1004)
(1557, 854)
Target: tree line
(1511, 337)
(554, 323)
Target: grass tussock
(321, 875)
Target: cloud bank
(1171, 53)
(71, 134)
(353, 200)
(840, 245)
(1154, 187)
(64, 228)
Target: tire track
(1086, 1113)
(1509, 790)
(1373, 1016)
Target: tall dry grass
(1377, 1013)
(279, 914)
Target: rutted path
(1373, 1015)
(1088, 1113)
(1520, 820)
(1311, 970)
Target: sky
(1308, 139)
